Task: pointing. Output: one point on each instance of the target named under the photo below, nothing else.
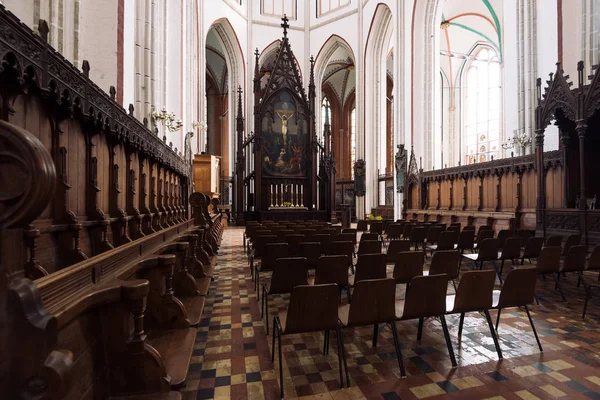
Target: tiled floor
(232, 358)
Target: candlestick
(281, 195)
(271, 195)
(301, 197)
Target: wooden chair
(376, 227)
(259, 247)
(466, 241)
(572, 240)
(308, 233)
(311, 309)
(549, 263)
(553, 241)
(525, 235)
(311, 251)
(447, 241)
(369, 236)
(575, 261)
(474, 294)
(324, 239)
(593, 264)
(533, 248)
(293, 241)
(394, 231)
(395, 247)
(425, 298)
(288, 273)
(408, 265)
(369, 247)
(433, 235)
(374, 303)
(369, 266)
(334, 269)
(342, 248)
(481, 236)
(417, 236)
(511, 251)
(446, 262)
(352, 231)
(273, 251)
(406, 231)
(503, 235)
(282, 233)
(488, 252)
(518, 291)
(362, 225)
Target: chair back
(425, 297)
(376, 227)
(594, 261)
(549, 260)
(470, 228)
(369, 236)
(395, 247)
(394, 231)
(445, 262)
(503, 235)
(433, 235)
(308, 233)
(533, 248)
(341, 248)
(346, 237)
(282, 233)
(362, 225)
(407, 228)
(352, 231)
(369, 247)
(373, 302)
(456, 224)
(488, 250)
(466, 240)
(575, 260)
(484, 234)
(260, 242)
(418, 234)
(313, 308)
(311, 251)
(572, 240)
(511, 249)
(525, 235)
(370, 266)
(555, 240)
(332, 269)
(447, 240)
(453, 228)
(324, 239)
(484, 228)
(519, 286)
(408, 265)
(288, 273)
(329, 231)
(475, 291)
(273, 251)
(293, 241)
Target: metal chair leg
(274, 334)
(420, 330)
(493, 332)
(340, 333)
(339, 345)
(280, 363)
(398, 350)
(533, 328)
(460, 325)
(448, 342)
(325, 343)
(557, 283)
(375, 334)
(498, 318)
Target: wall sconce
(167, 119)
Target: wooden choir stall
(508, 193)
(103, 272)
(283, 172)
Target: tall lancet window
(481, 133)
(325, 110)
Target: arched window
(481, 133)
(352, 141)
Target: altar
(286, 214)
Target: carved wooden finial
(580, 67)
(113, 93)
(285, 25)
(43, 29)
(131, 109)
(85, 67)
(145, 122)
(171, 144)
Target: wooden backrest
(425, 297)
(488, 250)
(373, 302)
(293, 241)
(445, 262)
(575, 259)
(288, 273)
(511, 250)
(332, 269)
(594, 261)
(549, 260)
(311, 251)
(555, 240)
(369, 247)
(313, 308)
(475, 291)
(519, 286)
(395, 247)
(273, 251)
(533, 247)
(408, 265)
(572, 240)
(341, 248)
(447, 240)
(369, 236)
(370, 266)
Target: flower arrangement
(374, 217)
(287, 204)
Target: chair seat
(175, 347)
(450, 302)
(472, 257)
(344, 312)
(495, 298)
(203, 285)
(194, 306)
